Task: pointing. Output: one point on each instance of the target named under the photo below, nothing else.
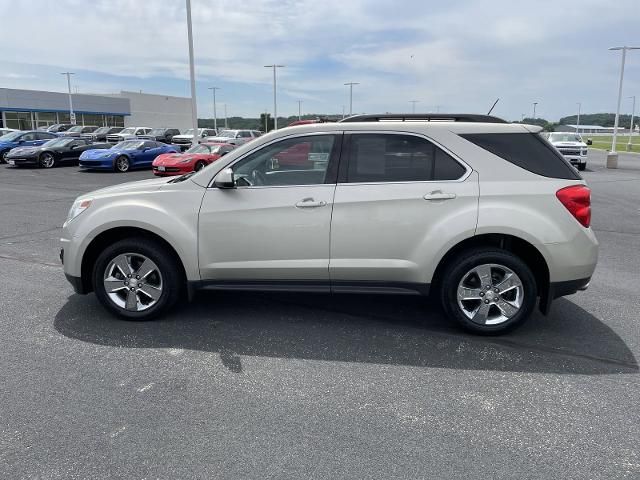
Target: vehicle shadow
(392, 330)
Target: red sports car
(195, 158)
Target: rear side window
(399, 158)
(526, 150)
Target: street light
(226, 123)
(535, 104)
(612, 156)
(413, 105)
(192, 74)
(633, 112)
(299, 109)
(578, 120)
(351, 84)
(215, 113)
(72, 116)
(275, 103)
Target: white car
(185, 140)
(571, 146)
(234, 137)
(483, 214)
(129, 133)
(4, 131)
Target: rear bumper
(560, 289)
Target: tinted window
(245, 134)
(526, 150)
(295, 161)
(27, 137)
(399, 158)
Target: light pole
(351, 84)
(192, 73)
(343, 107)
(413, 105)
(522, 118)
(633, 112)
(299, 109)
(275, 103)
(612, 156)
(72, 116)
(226, 123)
(535, 104)
(215, 112)
(578, 121)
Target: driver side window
(294, 161)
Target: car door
(75, 150)
(400, 199)
(30, 140)
(274, 226)
(147, 155)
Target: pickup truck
(571, 146)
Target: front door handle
(310, 203)
(439, 195)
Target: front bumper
(106, 164)
(576, 159)
(18, 162)
(171, 171)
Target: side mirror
(73, 147)
(20, 142)
(589, 141)
(146, 149)
(225, 179)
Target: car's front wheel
(47, 160)
(122, 164)
(582, 166)
(137, 279)
(488, 291)
(3, 156)
(199, 165)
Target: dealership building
(31, 109)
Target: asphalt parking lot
(311, 386)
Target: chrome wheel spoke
(113, 285)
(481, 314)
(484, 274)
(465, 293)
(509, 282)
(146, 268)
(122, 264)
(506, 308)
(150, 291)
(132, 300)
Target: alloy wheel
(47, 160)
(490, 294)
(122, 164)
(133, 281)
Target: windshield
(128, 145)
(227, 134)
(128, 131)
(102, 130)
(77, 128)
(58, 142)
(156, 131)
(203, 149)
(564, 137)
(10, 137)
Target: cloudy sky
(455, 55)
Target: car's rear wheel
(199, 165)
(122, 164)
(488, 291)
(136, 279)
(47, 160)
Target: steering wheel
(258, 178)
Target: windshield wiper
(182, 178)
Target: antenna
(492, 106)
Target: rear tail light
(577, 199)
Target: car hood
(175, 158)
(221, 139)
(183, 136)
(129, 187)
(95, 154)
(23, 151)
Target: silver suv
(486, 215)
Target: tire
(199, 166)
(3, 156)
(47, 160)
(582, 166)
(493, 311)
(161, 272)
(121, 164)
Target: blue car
(31, 138)
(125, 156)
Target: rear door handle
(438, 195)
(310, 203)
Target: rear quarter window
(526, 150)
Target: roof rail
(425, 117)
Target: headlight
(78, 207)
(584, 151)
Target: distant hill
(602, 119)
